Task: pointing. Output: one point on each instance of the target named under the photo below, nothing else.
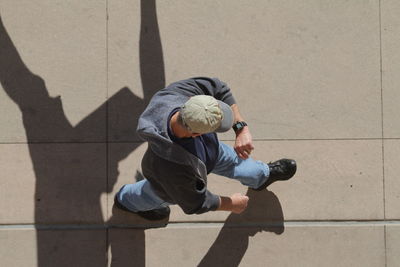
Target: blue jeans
(140, 196)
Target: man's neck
(177, 129)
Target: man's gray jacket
(177, 176)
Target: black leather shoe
(280, 170)
(151, 215)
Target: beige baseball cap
(205, 114)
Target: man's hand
(244, 143)
(237, 203)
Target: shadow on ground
(263, 214)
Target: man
(180, 125)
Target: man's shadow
(72, 162)
(263, 213)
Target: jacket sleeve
(215, 88)
(200, 86)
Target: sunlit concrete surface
(316, 81)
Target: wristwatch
(237, 126)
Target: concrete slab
(392, 183)
(336, 180)
(209, 245)
(298, 69)
(27, 247)
(54, 69)
(53, 183)
(333, 179)
(393, 245)
(390, 66)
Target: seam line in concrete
(382, 111)
(382, 125)
(225, 140)
(107, 242)
(198, 225)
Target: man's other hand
(237, 203)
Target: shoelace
(274, 166)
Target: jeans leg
(250, 172)
(140, 196)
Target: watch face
(239, 125)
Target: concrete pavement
(316, 81)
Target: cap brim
(227, 121)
